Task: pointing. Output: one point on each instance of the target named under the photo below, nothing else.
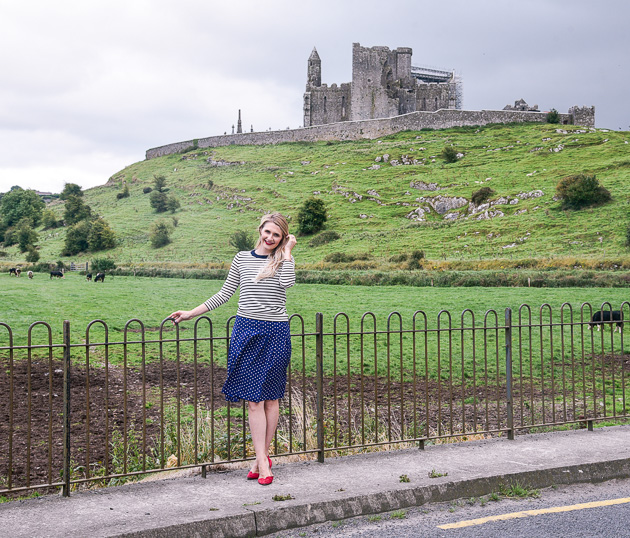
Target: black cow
(58, 274)
(13, 271)
(88, 277)
(99, 276)
(607, 316)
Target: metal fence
(101, 409)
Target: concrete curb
(265, 521)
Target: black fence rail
(134, 400)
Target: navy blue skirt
(258, 358)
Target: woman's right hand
(181, 315)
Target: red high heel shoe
(265, 481)
(254, 476)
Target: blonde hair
(275, 258)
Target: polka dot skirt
(258, 358)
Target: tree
(159, 182)
(76, 238)
(172, 204)
(553, 116)
(311, 216)
(32, 256)
(18, 204)
(70, 189)
(159, 233)
(101, 236)
(124, 193)
(100, 265)
(241, 240)
(26, 236)
(76, 210)
(580, 191)
(158, 201)
(480, 196)
(49, 220)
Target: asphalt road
(608, 521)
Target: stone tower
(239, 125)
(314, 76)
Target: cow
(30, 274)
(99, 276)
(607, 316)
(58, 274)
(88, 277)
(13, 271)
(18, 272)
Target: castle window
(324, 103)
(343, 106)
(424, 103)
(436, 103)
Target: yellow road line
(527, 513)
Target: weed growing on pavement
(436, 474)
(286, 497)
(404, 478)
(516, 490)
(398, 514)
(374, 519)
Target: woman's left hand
(292, 241)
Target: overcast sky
(86, 88)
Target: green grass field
(151, 300)
(511, 159)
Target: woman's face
(271, 236)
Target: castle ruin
(384, 84)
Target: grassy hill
(369, 202)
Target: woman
(260, 347)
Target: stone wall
(369, 129)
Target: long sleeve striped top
(265, 299)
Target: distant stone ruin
(387, 95)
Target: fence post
(66, 409)
(319, 359)
(508, 373)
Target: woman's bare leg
(258, 428)
(272, 411)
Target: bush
(417, 255)
(581, 191)
(10, 237)
(324, 238)
(399, 258)
(49, 220)
(158, 201)
(343, 257)
(26, 236)
(76, 210)
(100, 265)
(70, 189)
(32, 256)
(480, 196)
(553, 116)
(241, 240)
(414, 264)
(123, 194)
(172, 204)
(147, 190)
(311, 216)
(210, 184)
(628, 236)
(160, 233)
(449, 154)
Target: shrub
(123, 194)
(399, 258)
(49, 220)
(417, 255)
(160, 234)
(311, 216)
(26, 236)
(158, 201)
(100, 265)
(449, 154)
(628, 236)
(76, 210)
(480, 196)
(324, 238)
(32, 256)
(19, 204)
(414, 263)
(241, 240)
(553, 116)
(172, 204)
(147, 190)
(343, 257)
(210, 184)
(581, 190)
(10, 237)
